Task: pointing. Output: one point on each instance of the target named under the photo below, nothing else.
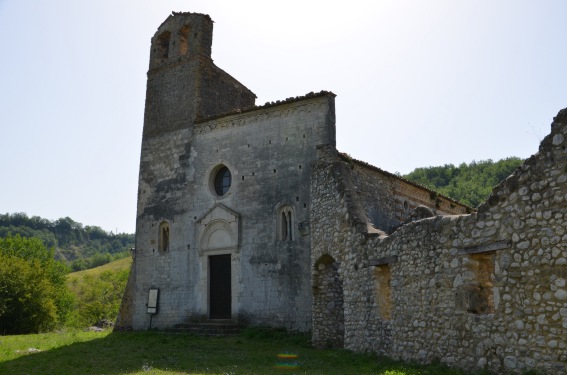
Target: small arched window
(285, 223)
(163, 236)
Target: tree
(33, 293)
(469, 184)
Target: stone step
(213, 328)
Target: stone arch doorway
(328, 312)
(218, 238)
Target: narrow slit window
(289, 226)
(284, 227)
(163, 236)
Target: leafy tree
(25, 297)
(470, 184)
(33, 293)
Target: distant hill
(80, 246)
(470, 184)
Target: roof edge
(310, 95)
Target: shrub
(33, 294)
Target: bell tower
(183, 85)
(183, 82)
(180, 50)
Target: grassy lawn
(160, 353)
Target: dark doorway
(220, 287)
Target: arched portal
(328, 312)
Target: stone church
(249, 215)
(224, 197)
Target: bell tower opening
(184, 40)
(162, 44)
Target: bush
(33, 294)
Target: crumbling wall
(480, 291)
(390, 200)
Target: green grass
(161, 353)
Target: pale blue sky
(418, 83)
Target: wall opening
(328, 312)
(383, 290)
(477, 295)
(163, 236)
(285, 223)
(163, 44)
(184, 40)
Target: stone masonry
(485, 290)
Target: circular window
(223, 179)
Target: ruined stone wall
(389, 200)
(339, 230)
(486, 290)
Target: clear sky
(418, 83)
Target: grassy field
(253, 352)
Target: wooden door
(220, 296)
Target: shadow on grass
(116, 353)
(153, 352)
(161, 353)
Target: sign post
(152, 303)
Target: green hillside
(80, 246)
